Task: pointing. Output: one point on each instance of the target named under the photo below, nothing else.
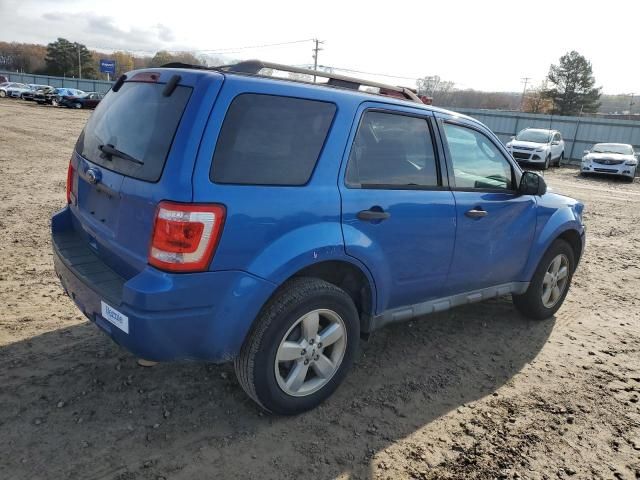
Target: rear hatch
(137, 149)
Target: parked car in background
(16, 90)
(537, 146)
(88, 100)
(33, 88)
(610, 159)
(197, 227)
(44, 95)
(56, 95)
(7, 87)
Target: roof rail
(253, 67)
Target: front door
(397, 216)
(496, 224)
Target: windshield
(139, 121)
(535, 136)
(612, 148)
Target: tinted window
(477, 162)
(392, 150)
(270, 140)
(139, 121)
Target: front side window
(392, 150)
(270, 140)
(477, 162)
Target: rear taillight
(70, 194)
(185, 236)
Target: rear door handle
(373, 215)
(476, 213)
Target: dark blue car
(224, 215)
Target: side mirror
(587, 152)
(513, 137)
(532, 184)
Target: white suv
(537, 146)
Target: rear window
(270, 140)
(138, 121)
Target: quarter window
(477, 162)
(392, 150)
(270, 140)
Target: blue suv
(223, 215)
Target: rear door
(156, 136)
(398, 215)
(496, 224)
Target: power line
(250, 47)
(525, 80)
(206, 50)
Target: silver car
(537, 146)
(610, 159)
(8, 89)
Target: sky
(486, 45)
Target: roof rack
(253, 67)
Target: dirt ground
(477, 392)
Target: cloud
(96, 31)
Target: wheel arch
(352, 278)
(569, 232)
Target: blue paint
(427, 249)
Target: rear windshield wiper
(111, 151)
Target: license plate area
(114, 317)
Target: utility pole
(525, 80)
(79, 64)
(631, 104)
(315, 50)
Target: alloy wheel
(555, 280)
(310, 353)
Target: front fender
(552, 223)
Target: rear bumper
(196, 316)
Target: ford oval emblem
(93, 175)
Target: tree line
(70, 59)
(568, 89)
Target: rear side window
(138, 121)
(270, 140)
(392, 150)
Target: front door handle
(476, 213)
(373, 215)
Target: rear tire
(77, 105)
(541, 300)
(266, 368)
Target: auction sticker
(113, 316)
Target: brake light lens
(185, 236)
(70, 172)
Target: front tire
(3, 94)
(547, 162)
(300, 348)
(550, 283)
(77, 106)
